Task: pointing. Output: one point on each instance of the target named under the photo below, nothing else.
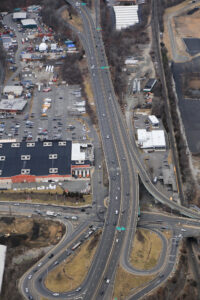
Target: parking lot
(54, 110)
(58, 123)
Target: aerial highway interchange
(124, 167)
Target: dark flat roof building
(35, 158)
(149, 85)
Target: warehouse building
(126, 16)
(154, 139)
(29, 23)
(18, 16)
(13, 89)
(34, 161)
(12, 105)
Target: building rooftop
(13, 104)
(15, 89)
(19, 15)
(149, 85)
(153, 119)
(29, 22)
(126, 16)
(35, 158)
(77, 154)
(151, 139)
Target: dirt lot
(70, 274)
(188, 25)
(191, 85)
(183, 26)
(20, 235)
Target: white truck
(51, 213)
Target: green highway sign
(104, 67)
(121, 228)
(83, 3)
(98, 28)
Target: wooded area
(121, 44)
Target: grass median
(146, 250)
(126, 282)
(46, 197)
(71, 273)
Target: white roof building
(153, 120)
(14, 89)
(53, 47)
(43, 47)
(12, 104)
(29, 22)
(154, 139)
(2, 262)
(19, 15)
(126, 16)
(131, 61)
(79, 104)
(77, 155)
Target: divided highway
(123, 165)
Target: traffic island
(70, 274)
(146, 250)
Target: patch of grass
(88, 90)
(146, 250)
(167, 234)
(71, 273)
(74, 20)
(45, 197)
(125, 283)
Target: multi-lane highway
(123, 165)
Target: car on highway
(39, 265)
(55, 294)
(107, 136)
(78, 289)
(26, 290)
(46, 90)
(56, 263)
(30, 276)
